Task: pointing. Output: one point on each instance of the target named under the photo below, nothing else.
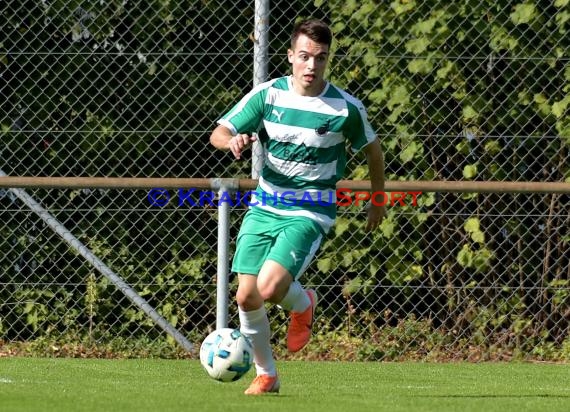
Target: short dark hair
(316, 30)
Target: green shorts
(291, 241)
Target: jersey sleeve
(247, 114)
(357, 128)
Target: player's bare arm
(375, 159)
(222, 138)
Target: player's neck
(312, 91)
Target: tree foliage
(464, 90)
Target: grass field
(40, 384)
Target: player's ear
(290, 54)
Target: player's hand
(375, 216)
(239, 142)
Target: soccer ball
(226, 354)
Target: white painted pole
(260, 69)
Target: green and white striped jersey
(304, 143)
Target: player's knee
(272, 291)
(248, 300)
(267, 292)
(243, 299)
(273, 282)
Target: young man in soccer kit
(303, 123)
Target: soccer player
(304, 124)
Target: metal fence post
(260, 68)
(224, 186)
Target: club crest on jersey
(322, 130)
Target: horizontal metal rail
(441, 186)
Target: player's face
(309, 62)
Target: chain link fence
(458, 91)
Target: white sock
(255, 325)
(296, 299)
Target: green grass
(40, 384)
